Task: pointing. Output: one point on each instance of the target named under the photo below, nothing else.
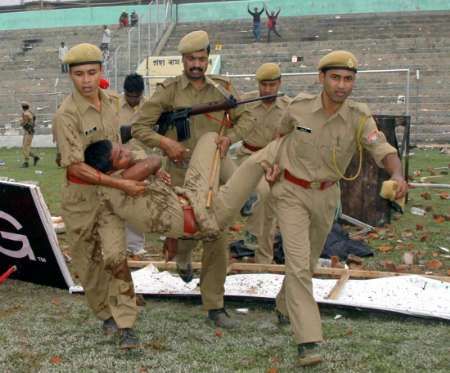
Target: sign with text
(27, 237)
(161, 67)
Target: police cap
(193, 42)
(268, 71)
(82, 54)
(338, 60)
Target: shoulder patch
(359, 107)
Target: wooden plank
(277, 268)
(334, 293)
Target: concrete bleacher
(418, 41)
(30, 70)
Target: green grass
(48, 330)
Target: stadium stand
(29, 68)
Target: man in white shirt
(61, 54)
(106, 38)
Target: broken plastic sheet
(410, 295)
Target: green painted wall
(67, 17)
(237, 9)
(219, 11)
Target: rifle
(179, 118)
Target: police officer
(27, 121)
(189, 88)
(268, 114)
(96, 236)
(306, 197)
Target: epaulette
(286, 99)
(167, 82)
(360, 107)
(303, 96)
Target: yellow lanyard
(362, 123)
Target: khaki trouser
(215, 253)
(261, 223)
(98, 251)
(26, 146)
(305, 218)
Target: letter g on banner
(25, 250)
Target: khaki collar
(343, 112)
(83, 104)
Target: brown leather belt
(251, 147)
(320, 185)
(190, 226)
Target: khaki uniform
(305, 216)
(27, 118)
(96, 235)
(128, 115)
(262, 222)
(176, 93)
(159, 210)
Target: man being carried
(178, 211)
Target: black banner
(27, 237)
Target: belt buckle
(315, 184)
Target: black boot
(109, 326)
(128, 339)
(24, 165)
(308, 354)
(35, 160)
(282, 318)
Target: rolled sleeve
(245, 122)
(374, 141)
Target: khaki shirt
(128, 114)
(309, 156)
(267, 119)
(27, 118)
(178, 92)
(79, 124)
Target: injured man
(180, 212)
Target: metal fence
(141, 40)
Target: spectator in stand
(272, 23)
(106, 39)
(123, 19)
(61, 54)
(256, 14)
(134, 18)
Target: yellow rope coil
(362, 123)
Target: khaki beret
(25, 103)
(193, 42)
(268, 71)
(82, 54)
(338, 60)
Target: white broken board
(410, 295)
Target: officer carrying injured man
(194, 87)
(306, 196)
